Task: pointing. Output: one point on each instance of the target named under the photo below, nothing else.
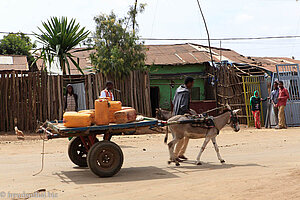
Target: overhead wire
(191, 39)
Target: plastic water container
(101, 112)
(74, 119)
(114, 106)
(91, 112)
(124, 116)
(106, 98)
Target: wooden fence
(29, 98)
(230, 90)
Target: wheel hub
(106, 159)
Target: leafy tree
(118, 50)
(58, 37)
(17, 44)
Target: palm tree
(58, 38)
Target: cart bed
(59, 130)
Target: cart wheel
(105, 159)
(77, 152)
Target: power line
(223, 39)
(195, 39)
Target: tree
(118, 50)
(17, 44)
(58, 38)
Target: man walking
(181, 103)
(282, 99)
(274, 101)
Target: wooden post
(6, 103)
(54, 93)
(31, 127)
(48, 97)
(60, 112)
(91, 103)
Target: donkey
(162, 114)
(187, 130)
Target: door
(251, 84)
(290, 75)
(154, 97)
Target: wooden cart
(104, 158)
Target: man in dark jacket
(181, 103)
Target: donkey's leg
(214, 141)
(201, 150)
(171, 146)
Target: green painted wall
(173, 69)
(166, 92)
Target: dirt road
(260, 164)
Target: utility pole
(134, 14)
(211, 55)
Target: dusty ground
(260, 164)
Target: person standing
(282, 99)
(255, 103)
(181, 103)
(274, 100)
(107, 92)
(71, 99)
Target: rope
(43, 153)
(43, 158)
(217, 108)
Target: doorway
(154, 97)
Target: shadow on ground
(190, 166)
(85, 176)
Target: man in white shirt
(107, 92)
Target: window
(195, 93)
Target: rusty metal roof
(13, 62)
(84, 62)
(269, 63)
(189, 53)
(175, 54)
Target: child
(255, 107)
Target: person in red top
(107, 92)
(282, 99)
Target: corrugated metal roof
(196, 54)
(175, 54)
(269, 63)
(13, 62)
(84, 62)
(189, 53)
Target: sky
(176, 19)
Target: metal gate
(251, 84)
(290, 75)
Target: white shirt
(103, 94)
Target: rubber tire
(73, 154)
(96, 151)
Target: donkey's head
(163, 114)
(158, 113)
(234, 121)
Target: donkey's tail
(166, 137)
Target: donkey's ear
(236, 111)
(227, 106)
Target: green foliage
(58, 37)
(17, 44)
(118, 51)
